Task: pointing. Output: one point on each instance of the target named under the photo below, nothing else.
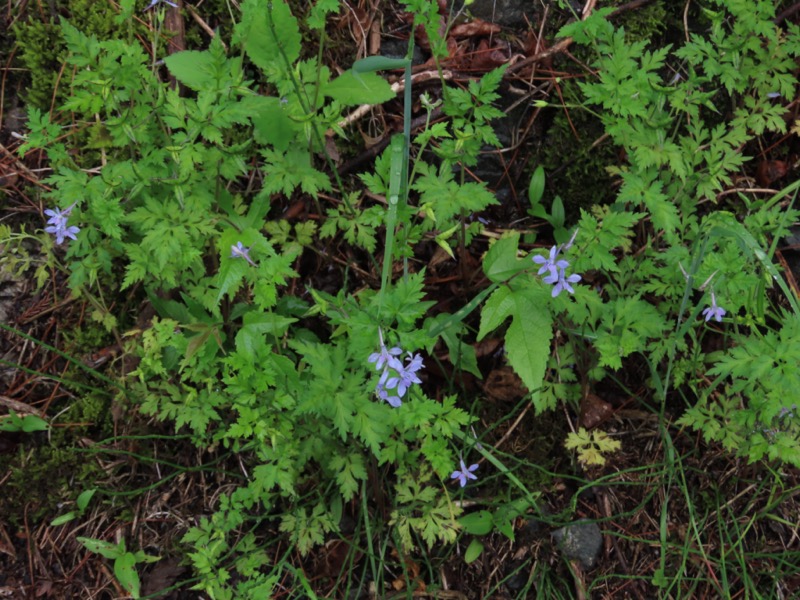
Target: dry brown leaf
(474, 28)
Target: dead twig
(553, 50)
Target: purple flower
(561, 281)
(556, 269)
(154, 2)
(406, 376)
(58, 224)
(384, 356)
(714, 311)
(239, 251)
(384, 395)
(465, 473)
(550, 264)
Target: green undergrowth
(305, 350)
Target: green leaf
(317, 18)
(125, 570)
(26, 424)
(358, 88)
(497, 308)
(473, 551)
(506, 527)
(269, 34)
(65, 518)
(379, 63)
(528, 342)
(501, 262)
(477, 523)
(84, 498)
(106, 549)
(557, 214)
(271, 124)
(536, 187)
(193, 69)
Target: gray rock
(580, 541)
(508, 13)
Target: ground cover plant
(337, 372)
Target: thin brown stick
(203, 25)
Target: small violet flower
(384, 356)
(556, 269)
(394, 401)
(239, 251)
(465, 473)
(550, 264)
(714, 311)
(406, 376)
(154, 2)
(58, 224)
(561, 281)
(395, 376)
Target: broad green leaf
(528, 342)
(497, 308)
(506, 527)
(477, 523)
(192, 68)
(259, 326)
(269, 34)
(84, 498)
(473, 551)
(31, 423)
(536, 187)
(271, 124)
(358, 88)
(557, 214)
(501, 261)
(125, 570)
(26, 424)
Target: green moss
(575, 169)
(42, 477)
(39, 49)
(648, 22)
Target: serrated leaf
(269, 33)
(271, 124)
(501, 261)
(496, 310)
(192, 68)
(528, 342)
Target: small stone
(580, 541)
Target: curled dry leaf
(476, 27)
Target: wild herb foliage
(318, 395)
(227, 358)
(670, 111)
